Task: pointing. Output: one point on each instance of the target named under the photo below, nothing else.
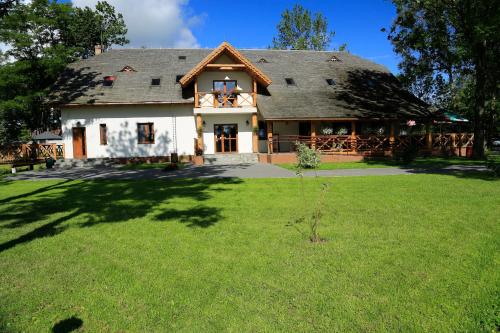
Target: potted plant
(198, 156)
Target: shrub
(307, 158)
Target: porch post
(353, 136)
(199, 130)
(428, 136)
(254, 93)
(392, 137)
(255, 130)
(196, 97)
(269, 137)
(313, 134)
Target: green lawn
(421, 162)
(7, 168)
(418, 253)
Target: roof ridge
(210, 49)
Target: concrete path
(224, 171)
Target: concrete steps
(222, 159)
(85, 163)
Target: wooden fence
(30, 152)
(373, 143)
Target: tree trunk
(479, 101)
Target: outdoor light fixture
(248, 123)
(204, 123)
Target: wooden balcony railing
(30, 152)
(217, 100)
(370, 143)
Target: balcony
(221, 100)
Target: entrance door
(226, 138)
(79, 144)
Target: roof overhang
(242, 64)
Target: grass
(147, 166)
(417, 253)
(7, 168)
(421, 162)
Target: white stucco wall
(244, 131)
(121, 123)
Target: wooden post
(313, 134)
(428, 136)
(453, 143)
(254, 93)
(63, 151)
(269, 137)
(255, 137)
(54, 150)
(196, 97)
(353, 135)
(392, 137)
(199, 130)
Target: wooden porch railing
(216, 100)
(30, 152)
(371, 143)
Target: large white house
(154, 102)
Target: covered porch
(358, 137)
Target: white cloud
(155, 23)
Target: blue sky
(355, 22)
(252, 24)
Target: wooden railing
(31, 152)
(216, 100)
(370, 143)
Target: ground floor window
(146, 133)
(104, 134)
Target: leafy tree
(297, 30)
(44, 36)
(450, 56)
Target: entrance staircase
(222, 159)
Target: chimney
(98, 49)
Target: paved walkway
(223, 171)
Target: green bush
(307, 158)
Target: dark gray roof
(362, 88)
(47, 135)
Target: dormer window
(128, 69)
(182, 57)
(330, 82)
(289, 81)
(178, 78)
(262, 61)
(334, 59)
(156, 82)
(108, 81)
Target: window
(182, 57)
(156, 81)
(128, 69)
(225, 92)
(178, 78)
(330, 82)
(289, 81)
(145, 133)
(104, 134)
(334, 59)
(262, 61)
(108, 81)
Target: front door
(79, 145)
(226, 138)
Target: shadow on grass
(96, 202)
(67, 325)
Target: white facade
(174, 129)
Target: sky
(252, 24)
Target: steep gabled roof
(362, 88)
(226, 48)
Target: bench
(17, 164)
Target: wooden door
(79, 145)
(226, 138)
